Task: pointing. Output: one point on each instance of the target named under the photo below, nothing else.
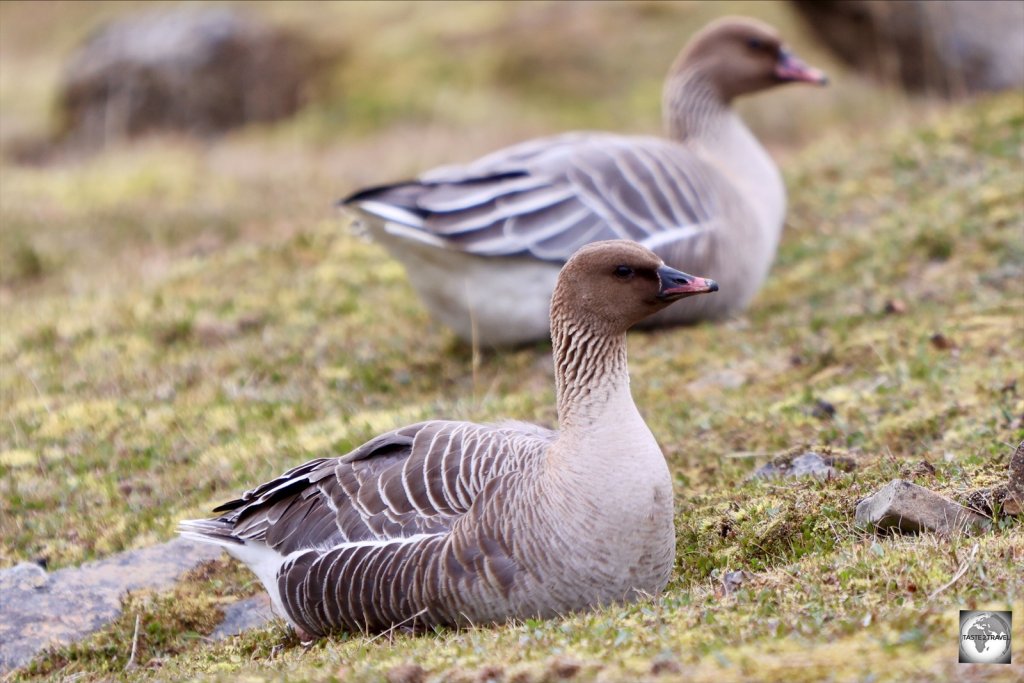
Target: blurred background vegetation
(404, 86)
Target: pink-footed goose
(482, 243)
(447, 522)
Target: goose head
(740, 56)
(607, 287)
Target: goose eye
(755, 44)
(623, 272)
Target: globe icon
(985, 638)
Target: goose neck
(692, 106)
(591, 375)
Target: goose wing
(412, 481)
(546, 198)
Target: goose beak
(676, 284)
(791, 68)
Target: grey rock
(244, 615)
(1016, 473)
(806, 465)
(22, 577)
(733, 581)
(1013, 502)
(40, 609)
(189, 69)
(941, 47)
(909, 508)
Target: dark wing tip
(374, 192)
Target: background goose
(452, 522)
(482, 243)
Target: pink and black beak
(676, 284)
(792, 69)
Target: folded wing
(546, 198)
(412, 481)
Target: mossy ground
(180, 321)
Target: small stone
(211, 331)
(165, 392)
(823, 410)
(941, 342)
(895, 307)
(909, 508)
(1016, 474)
(732, 581)
(922, 468)
(249, 322)
(25, 576)
(808, 464)
(565, 667)
(664, 664)
(406, 673)
(1012, 505)
(490, 674)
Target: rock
(941, 341)
(733, 581)
(40, 609)
(1016, 473)
(24, 577)
(1013, 504)
(823, 410)
(942, 47)
(244, 615)
(406, 673)
(564, 667)
(665, 664)
(905, 507)
(895, 307)
(808, 464)
(189, 69)
(922, 468)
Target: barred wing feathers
(546, 198)
(364, 541)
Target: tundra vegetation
(182, 319)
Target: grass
(181, 321)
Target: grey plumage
(707, 198)
(446, 522)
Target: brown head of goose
(482, 243)
(447, 522)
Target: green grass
(180, 322)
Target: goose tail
(215, 531)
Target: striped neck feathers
(692, 106)
(590, 369)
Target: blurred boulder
(901, 506)
(939, 47)
(196, 70)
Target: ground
(181, 320)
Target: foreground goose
(483, 243)
(458, 523)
